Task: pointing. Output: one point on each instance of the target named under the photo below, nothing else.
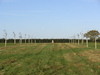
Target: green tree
(92, 34)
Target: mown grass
(49, 59)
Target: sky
(48, 18)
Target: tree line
(47, 40)
(91, 36)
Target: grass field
(49, 59)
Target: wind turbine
(20, 37)
(5, 36)
(25, 38)
(28, 38)
(78, 39)
(14, 38)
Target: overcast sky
(49, 18)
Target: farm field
(49, 59)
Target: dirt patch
(64, 46)
(72, 45)
(1, 73)
(80, 64)
(91, 55)
(23, 48)
(70, 56)
(61, 46)
(57, 46)
(10, 61)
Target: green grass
(49, 59)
